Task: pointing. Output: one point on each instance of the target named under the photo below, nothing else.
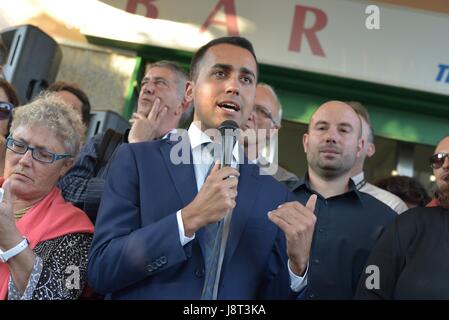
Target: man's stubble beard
(329, 172)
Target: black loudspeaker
(32, 62)
(100, 121)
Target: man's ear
(360, 146)
(183, 106)
(370, 150)
(186, 100)
(305, 142)
(188, 93)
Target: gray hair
(176, 68)
(271, 90)
(54, 114)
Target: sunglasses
(437, 160)
(5, 110)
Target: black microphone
(229, 134)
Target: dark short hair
(408, 189)
(74, 89)
(235, 41)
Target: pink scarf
(50, 218)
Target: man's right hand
(214, 200)
(145, 128)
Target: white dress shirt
(201, 163)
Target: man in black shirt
(348, 222)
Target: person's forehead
(443, 146)
(232, 55)
(266, 99)
(160, 72)
(38, 136)
(336, 113)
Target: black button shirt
(347, 227)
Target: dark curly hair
(408, 189)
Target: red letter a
(231, 17)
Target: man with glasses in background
(265, 118)
(161, 107)
(439, 162)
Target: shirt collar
(172, 131)
(304, 183)
(358, 178)
(198, 137)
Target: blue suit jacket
(136, 252)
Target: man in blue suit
(151, 238)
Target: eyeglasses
(40, 155)
(437, 160)
(5, 110)
(156, 82)
(261, 111)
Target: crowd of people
(117, 216)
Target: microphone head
(227, 125)
(228, 131)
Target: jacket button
(199, 272)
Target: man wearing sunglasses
(440, 165)
(412, 256)
(265, 117)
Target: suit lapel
(248, 188)
(183, 174)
